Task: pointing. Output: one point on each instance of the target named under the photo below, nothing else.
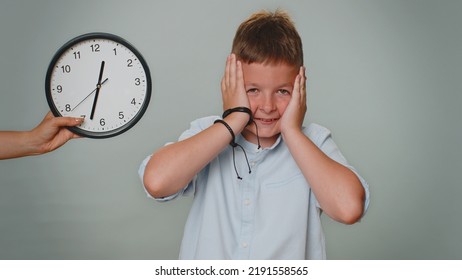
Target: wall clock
(100, 77)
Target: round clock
(100, 77)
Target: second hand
(88, 95)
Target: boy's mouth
(266, 121)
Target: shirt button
(247, 202)
(252, 163)
(245, 245)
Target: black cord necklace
(233, 143)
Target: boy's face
(269, 88)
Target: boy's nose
(268, 104)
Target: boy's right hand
(232, 85)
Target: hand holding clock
(49, 135)
(65, 74)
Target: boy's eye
(252, 90)
(283, 92)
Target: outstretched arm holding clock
(49, 135)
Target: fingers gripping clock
(100, 77)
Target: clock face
(102, 78)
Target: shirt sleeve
(322, 137)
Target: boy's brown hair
(268, 37)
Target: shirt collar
(253, 147)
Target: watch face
(102, 78)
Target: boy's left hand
(295, 112)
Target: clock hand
(98, 87)
(88, 95)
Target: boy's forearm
(174, 166)
(337, 189)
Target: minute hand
(98, 87)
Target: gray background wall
(384, 76)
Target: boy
(260, 197)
